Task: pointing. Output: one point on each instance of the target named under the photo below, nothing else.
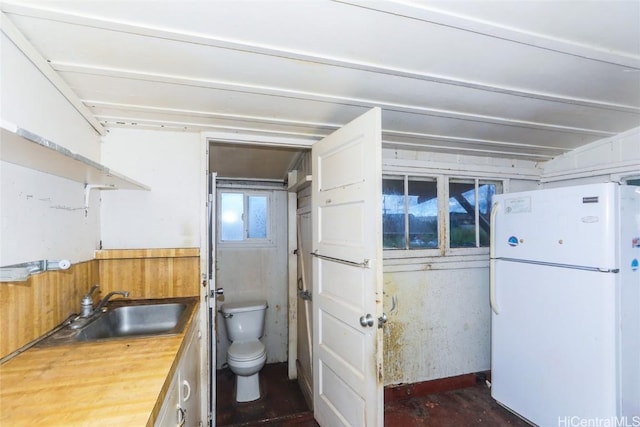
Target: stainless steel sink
(130, 318)
(136, 320)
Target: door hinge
(305, 295)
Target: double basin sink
(128, 318)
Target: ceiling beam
(258, 49)
(390, 137)
(318, 97)
(432, 15)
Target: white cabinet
(170, 411)
(181, 406)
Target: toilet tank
(244, 320)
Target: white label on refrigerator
(517, 205)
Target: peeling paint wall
(439, 324)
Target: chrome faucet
(86, 305)
(105, 300)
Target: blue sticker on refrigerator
(513, 241)
(634, 264)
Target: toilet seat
(246, 350)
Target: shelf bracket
(87, 193)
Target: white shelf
(24, 148)
(297, 183)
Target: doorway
(249, 245)
(346, 223)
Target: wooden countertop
(113, 383)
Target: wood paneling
(147, 253)
(32, 308)
(150, 273)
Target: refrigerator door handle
(492, 259)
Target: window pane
(486, 192)
(462, 216)
(393, 213)
(231, 216)
(423, 213)
(257, 227)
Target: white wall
(40, 214)
(42, 217)
(605, 160)
(30, 101)
(167, 216)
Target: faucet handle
(92, 290)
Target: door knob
(382, 320)
(218, 291)
(366, 320)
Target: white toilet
(246, 355)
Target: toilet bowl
(246, 359)
(246, 355)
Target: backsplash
(150, 273)
(32, 308)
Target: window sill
(426, 260)
(246, 244)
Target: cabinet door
(170, 412)
(181, 406)
(190, 380)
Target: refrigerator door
(571, 225)
(553, 343)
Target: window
(414, 212)
(409, 213)
(244, 216)
(469, 220)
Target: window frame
(444, 226)
(246, 241)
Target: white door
(347, 275)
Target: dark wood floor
(282, 404)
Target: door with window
(347, 275)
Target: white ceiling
(519, 79)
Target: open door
(347, 275)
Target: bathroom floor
(282, 404)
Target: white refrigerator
(565, 300)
